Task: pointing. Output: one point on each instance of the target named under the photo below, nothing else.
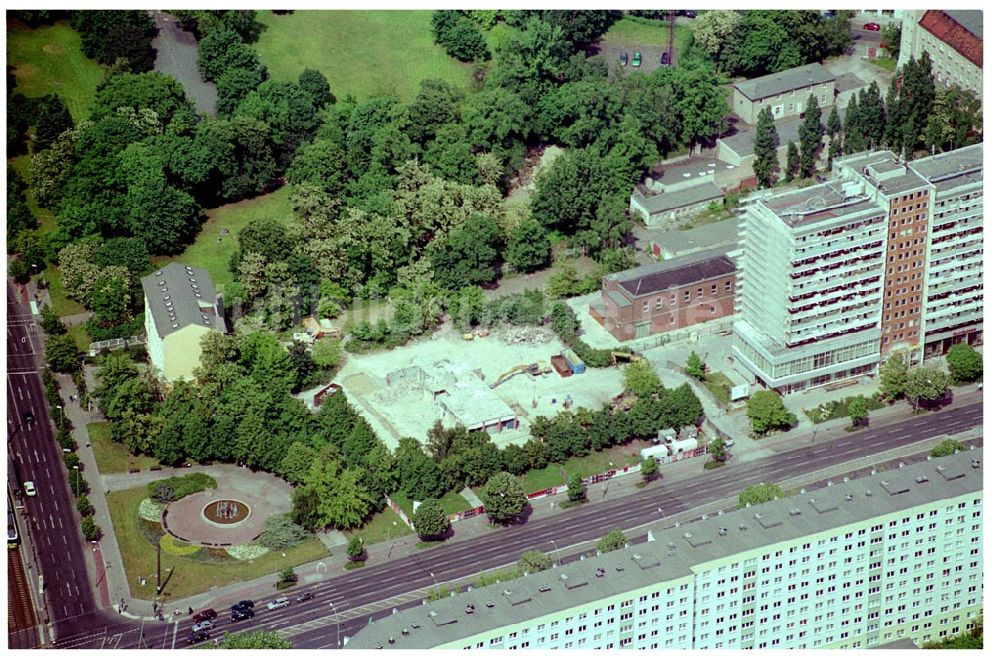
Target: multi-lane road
(49, 519)
(345, 603)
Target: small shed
(661, 452)
(574, 361)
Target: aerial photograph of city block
(494, 329)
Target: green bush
(176, 487)
(91, 532)
(84, 507)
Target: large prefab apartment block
(810, 286)
(181, 307)
(865, 563)
(837, 277)
(933, 294)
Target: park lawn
(382, 526)
(189, 577)
(208, 252)
(719, 385)
(61, 303)
(49, 59)
(451, 503)
(113, 458)
(80, 336)
(362, 53)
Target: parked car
(872, 27)
(636, 59)
(29, 489)
(665, 58)
(280, 602)
(304, 596)
(29, 417)
(623, 59)
(204, 625)
(198, 637)
(240, 614)
(206, 614)
(241, 605)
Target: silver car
(204, 625)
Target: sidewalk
(111, 583)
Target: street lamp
(661, 514)
(77, 479)
(391, 544)
(336, 618)
(62, 416)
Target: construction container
(575, 364)
(561, 366)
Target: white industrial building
(859, 564)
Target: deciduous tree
(760, 493)
(613, 540)
(965, 363)
(892, 377)
(504, 498)
(767, 412)
(925, 386)
(430, 521)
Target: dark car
(202, 615)
(240, 614)
(305, 596)
(241, 605)
(872, 27)
(198, 637)
(665, 58)
(29, 417)
(623, 59)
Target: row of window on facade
(687, 296)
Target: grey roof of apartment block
(176, 294)
(786, 81)
(674, 553)
(817, 203)
(676, 272)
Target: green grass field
(212, 254)
(380, 527)
(719, 385)
(188, 576)
(80, 336)
(113, 458)
(61, 303)
(49, 60)
(361, 53)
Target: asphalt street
(345, 603)
(49, 518)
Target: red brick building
(667, 295)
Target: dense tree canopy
(108, 35)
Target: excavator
(624, 357)
(533, 369)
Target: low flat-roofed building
(681, 188)
(471, 403)
(666, 244)
(668, 295)
(786, 93)
(715, 583)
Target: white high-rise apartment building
(888, 557)
(809, 285)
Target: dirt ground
(395, 412)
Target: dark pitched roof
(180, 295)
(781, 82)
(953, 28)
(674, 273)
